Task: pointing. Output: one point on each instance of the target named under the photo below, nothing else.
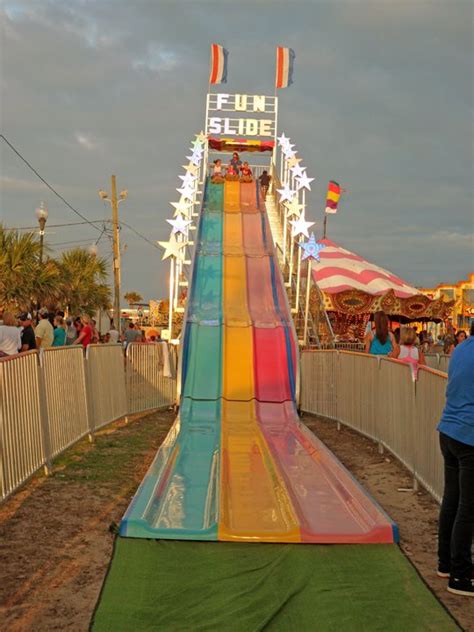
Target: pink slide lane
(330, 504)
(271, 365)
(260, 295)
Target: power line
(47, 183)
(140, 235)
(95, 221)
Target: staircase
(320, 331)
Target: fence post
(89, 403)
(45, 434)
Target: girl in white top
(10, 337)
(408, 352)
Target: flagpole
(306, 310)
(298, 274)
(170, 311)
(325, 225)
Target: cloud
(17, 185)
(381, 102)
(157, 59)
(87, 141)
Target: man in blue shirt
(456, 438)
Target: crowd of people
(238, 170)
(405, 343)
(52, 329)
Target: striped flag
(218, 64)
(285, 58)
(332, 198)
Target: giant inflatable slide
(238, 464)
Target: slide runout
(331, 506)
(254, 503)
(178, 497)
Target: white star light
(297, 170)
(187, 179)
(293, 208)
(180, 225)
(283, 140)
(187, 192)
(182, 207)
(194, 159)
(286, 193)
(289, 153)
(287, 148)
(172, 248)
(303, 182)
(300, 226)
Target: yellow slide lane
(254, 504)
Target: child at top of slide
(246, 172)
(217, 174)
(231, 173)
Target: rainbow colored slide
(238, 464)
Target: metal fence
(438, 361)
(50, 400)
(379, 398)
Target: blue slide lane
(178, 497)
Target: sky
(381, 102)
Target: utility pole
(114, 202)
(116, 238)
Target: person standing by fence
(456, 439)
(44, 331)
(28, 340)
(381, 341)
(10, 339)
(59, 332)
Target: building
(463, 295)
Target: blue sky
(382, 102)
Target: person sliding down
(231, 173)
(246, 173)
(217, 174)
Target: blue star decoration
(311, 248)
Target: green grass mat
(192, 586)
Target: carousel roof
(341, 269)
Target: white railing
(50, 400)
(379, 398)
(438, 361)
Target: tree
(82, 286)
(23, 282)
(133, 297)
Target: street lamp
(41, 215)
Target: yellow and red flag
(333, 195)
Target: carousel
(353, 289)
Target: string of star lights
(295, 182)
(176, 249)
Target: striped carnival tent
(353, 289)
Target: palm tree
(23, 281)
(82, 286)
(133, 297)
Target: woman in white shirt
(408, 352)
(10, 337)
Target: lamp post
(114, 202)
(42, 215)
